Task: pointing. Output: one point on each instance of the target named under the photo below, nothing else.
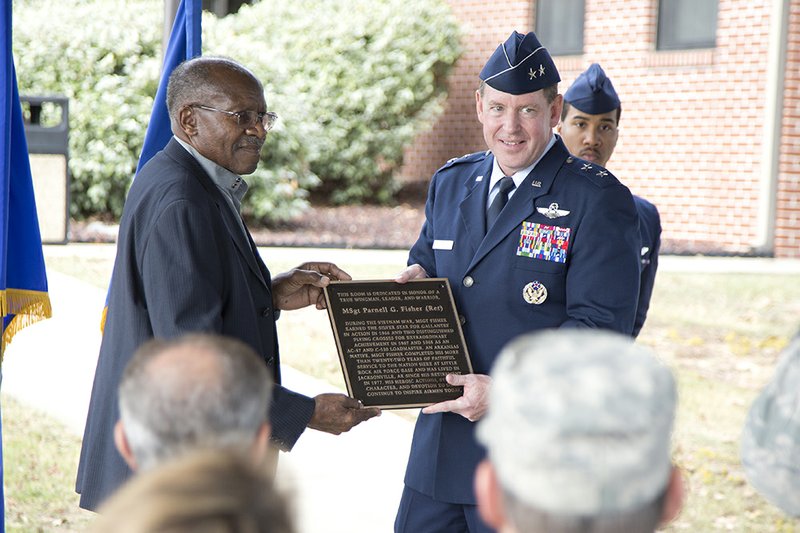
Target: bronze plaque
(397, 342)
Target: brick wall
(787, 227)
(692, 127)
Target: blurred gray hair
(197, 391)
(527, 519)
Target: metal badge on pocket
(534, 293)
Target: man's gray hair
(197, 391)
(527, 519)
(197, 79)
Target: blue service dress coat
(564, 252)
(183, 264)
(650, 231)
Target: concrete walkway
(349, 483)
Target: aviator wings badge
(552, 211)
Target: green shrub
(371, 73)
(108, 69)
(353, 82)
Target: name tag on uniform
(442, 245)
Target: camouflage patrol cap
(579, 422)
(771, 436)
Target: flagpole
(170, 9)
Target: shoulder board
(467, 158)
(591, 171)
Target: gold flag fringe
(28, 307)
(103, 319)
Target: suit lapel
(522, 204)
(473, 206)
(242, 242)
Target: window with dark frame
(687, 24)
(559, 26)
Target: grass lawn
(721, 334)
(40, 458)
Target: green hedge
(353, 82)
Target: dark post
(47, 133)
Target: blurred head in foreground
(578, 436)
(220, 491)
(771, 437)
(194, 392)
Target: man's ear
(187, 121)
(261, 443)
(673, 500)
(479, 106)
(489, 495)
(123, 446)
(555, 110)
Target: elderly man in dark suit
(589, 128)
(530, 238)
(186, 262)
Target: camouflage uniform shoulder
(586, 170)
(468, 158)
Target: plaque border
(340, 351)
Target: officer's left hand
(302, 286)
(474, 402)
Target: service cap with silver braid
(520, 65)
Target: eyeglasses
(248, 118)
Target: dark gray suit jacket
(182, 265)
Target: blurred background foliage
(353, 82)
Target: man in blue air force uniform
(562, 252)
(589, 128)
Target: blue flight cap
(520, 65)
(593, 92)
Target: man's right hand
(414, 271)
(336, 413)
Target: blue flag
(184, 43)
(23, 281)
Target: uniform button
(462, 319)
(266, 312)
(468, 281)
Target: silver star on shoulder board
(602, 173)
(552, 211)
(532, 73)
(586, 166)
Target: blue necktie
(505, 185)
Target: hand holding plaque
(397, 342)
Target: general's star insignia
(586, 166)
(532, 73)
(552, 211)
(602, 173)
(541, 70)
